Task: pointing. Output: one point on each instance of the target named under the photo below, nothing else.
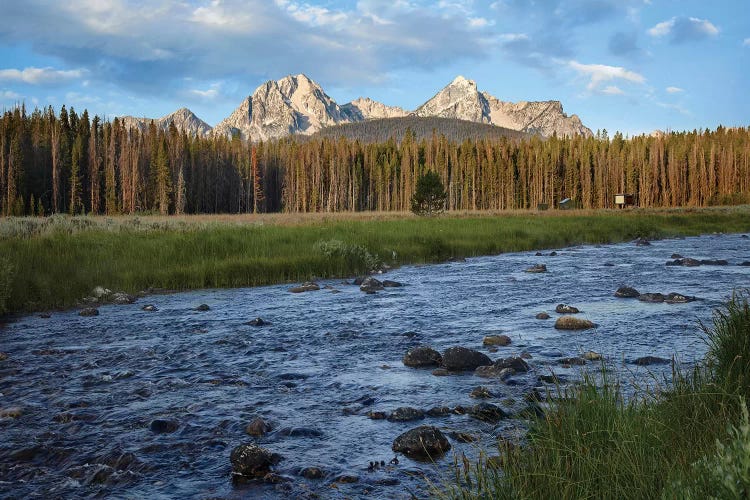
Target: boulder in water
(422, 443)
(653, 298)
(487, 412)
(405, 414)
(422, 356)
(371, 285)
(88, 312)
(626, 292)
(516, 363)
(542, 315)
(461, 359)
(391, 284)
(651, 360)
(573, 323)
(257, 428)
(307, 286)
(164, 426)
(496, 340)
(566, 309)
(537, 268)
(252, 461)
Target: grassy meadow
(690, 440)
(48, 263)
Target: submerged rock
(678, 298)
(480, 392)
(497, 340)
(439, 411)
(516, 363)
(405, 414)
(566, 309)
(461, 359)
(422, 443)
(164, 426)
(11, 412)
(203, 307)
(537, 268)
(591, 356)
(642, 242)
(653, 298)
(307, 286)
(685, 261)
(542, 315)
(88, 312)
(422, 356)
(149, 308)
(492, 371)
(487, 412)
(572, 361)
(312, 473)
(258, 322)
(3, 356)
(651, 360)
(391, 284)
(573, 323)
(626, 292)
(257, 428)
(252, 461)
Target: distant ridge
(381, 130)
(297, 105)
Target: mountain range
(296, 105)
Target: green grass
(54, 262)
(676, 443)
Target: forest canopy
(68, 163)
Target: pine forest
(68, 163)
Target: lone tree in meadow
(429, 196)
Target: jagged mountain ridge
(183, 119)
(296, 105)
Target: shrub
(350, 252)
(429, 196)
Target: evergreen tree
(429, 197)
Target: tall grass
(58, 260)
(690, 441)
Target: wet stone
(88, 312)
(405, 414)
(252, 461)
(440, 372)
(439, 411)
(149, 308)
(572, 361)
(463, 437)
(542, 315)
(537, 268)
(651, 360)
(496, 340)
(422, 356)
(11, 412)
(480, 392)
(591, 356)
(308, 286)
(566, 309)
(652, 298)
(203, 307)
(258, 322)
(391, 284)
(257, 428)
(163, 426)
(461, 359)
(422, 443)
(493, 371)
(371, 285)
(626, 292)
(346, 479)
(376, 415)
(312, 473)
(487, 412)
(515, 363)
(573, 323)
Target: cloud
(612, 90)
(746, 42)
(684, 29)
(601, 73)
(39, 76)
(150, 47)
(10, 95)
(674, 90)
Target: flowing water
(89, 388)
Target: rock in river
(405, 414)
(537, 268)
(422, 443)
(626, 292)
(307, 286)
(422, 356)
(487, 412)
(164, 426)
(257, 428)
(566, 309)
(500, 340)
(391, 284)
(492, 371)
(515, 363)
(542, 315)
(89, 311)
(203, 308)
(258, 322)
(678, 298)
(461, 358)
(252, 461)
(573, 323)
(651, 360)
(653, 298)
(371, 285)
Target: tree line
(69, 163)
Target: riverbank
(689, 439)
(49, 263)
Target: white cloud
(479, 22)
(9, 94)
(601, 73)
(612, 90)
(39, 76)
(674, 90)
(682, 29)
(746, 42)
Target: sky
(632, 66)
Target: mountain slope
(183, 119)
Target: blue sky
(627, 65)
